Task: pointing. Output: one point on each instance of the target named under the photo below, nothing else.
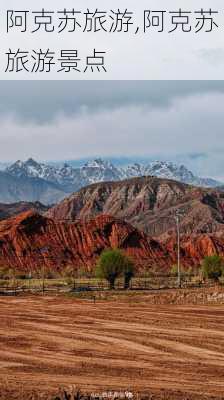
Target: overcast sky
(176, 120)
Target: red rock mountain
(128, 215)
(195, 247)
(148, 203)
(30, 241)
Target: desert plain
(170, 351)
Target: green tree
(213, 267)
(112, 264)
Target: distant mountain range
(34, 181)
(15, 189)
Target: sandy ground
(46, 342)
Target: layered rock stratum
(150, 204)
(31, 241)
(136, 215)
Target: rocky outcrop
(31, 241)
(149, 204)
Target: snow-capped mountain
(169, 170)
(100, 171)
(68, 177)
(32, 169)
(71, 179)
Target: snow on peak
(18, 163)
(98, 163)
(99, 170)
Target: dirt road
(46, 342)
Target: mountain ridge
(99, 170)
(149, 204)
(35, 181)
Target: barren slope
(149, 204)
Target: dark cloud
(43, 101)
(177, 121)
